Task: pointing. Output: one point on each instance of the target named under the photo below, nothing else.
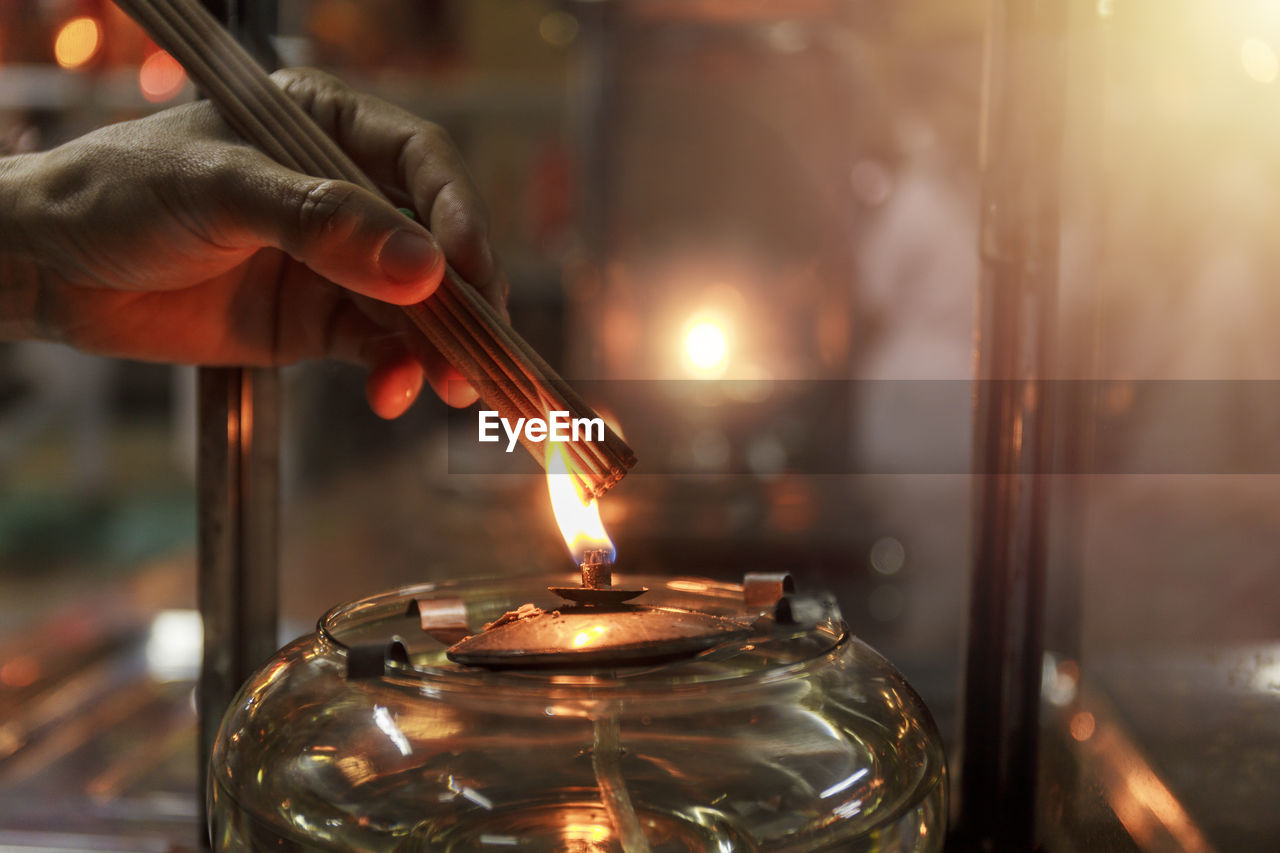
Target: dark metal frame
(238, 491)
(1013, 428)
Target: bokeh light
(1259, 60)
(161, 77)
(77, 42)
(1082, 725)
(558, 29)
(706, 347)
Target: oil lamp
(598, 627)
(561, 712)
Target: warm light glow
(161, 77)
(586, 832)
(558, 29)
(19, 671)
(706, 346)
(611, 421)
(687, 586)
(77, 42)
(580, 523)
(356, 768)
(586, 637)
(1082, 725)
(1259, 60)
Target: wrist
(19, 268)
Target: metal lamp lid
(595, 636)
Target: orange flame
(579, 521)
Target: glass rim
(645, 678)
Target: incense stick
(504, 369)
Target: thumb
(341, 231)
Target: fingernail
(409, 256)
(415, 385)
(459, 394)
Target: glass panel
(1160, 683)
(680, 193)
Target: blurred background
(750, 229)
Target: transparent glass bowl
(794, 740)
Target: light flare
(706, 346)
(579, 521)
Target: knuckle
(304, 81)
(323, 209)
(421, 147)
(320, 94)
(286, 77)
(476, 241)
(468, 220)
(433, 137)
(296, 83)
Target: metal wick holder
(597, 570)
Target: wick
(595, 568)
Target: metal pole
(238, 505)
(1021, 159)
(238, 498)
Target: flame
(579, 522)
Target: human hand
(170, 239)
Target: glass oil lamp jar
(499, 715)
(561, 714)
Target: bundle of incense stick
(504, 370)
